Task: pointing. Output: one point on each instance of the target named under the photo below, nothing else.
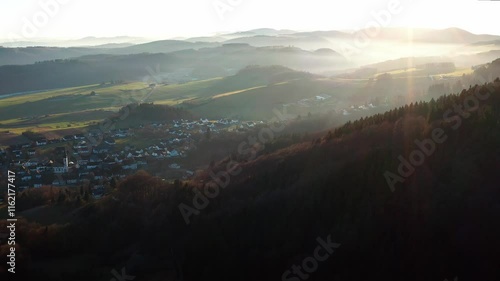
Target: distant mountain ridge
(311, 40)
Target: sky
(162, 19)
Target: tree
(48, 178)
(86, 196)
(113, 183)
(208, 134)
(61, 198)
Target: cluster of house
(66, 167)
(200, 125)
(73, 161)
(353, 109)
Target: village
(73, 161)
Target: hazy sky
(28, 19)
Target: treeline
(431, 111)
(48, 195)
(153, 112)
(482, 74)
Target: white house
(174, 166)
(72, 181)
(81, 145)
(132, 166)
(91, 166)
(60, 169)
(173, 153)
(31, 163)
(26, 178)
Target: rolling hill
(180, 66)
(164, 46)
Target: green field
(76, 107)
(82, 106)
(414, 72)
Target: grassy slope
(76, 107)
(259, 103)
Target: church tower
(66, 161)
